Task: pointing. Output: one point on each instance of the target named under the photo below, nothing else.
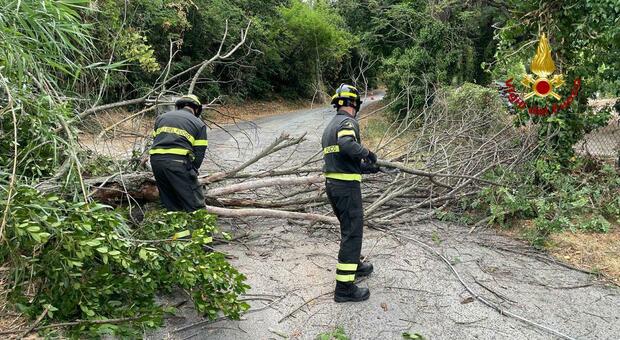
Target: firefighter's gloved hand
(369, 168)
(389, 171)
(371, 158)
(191, 168)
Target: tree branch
(271, 213)
(218, 55)
(264, 183)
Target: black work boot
(363, 269)
(348, 291)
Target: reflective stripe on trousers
(345, 272)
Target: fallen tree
(446, 160)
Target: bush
(470, 99)
(82, 261)
(553, 198)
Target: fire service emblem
(542, 84)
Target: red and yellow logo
(543, 66)
(542, 85)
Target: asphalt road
(239, 142)
(291, 269)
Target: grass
(591, 251)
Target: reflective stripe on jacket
(179, 132)
(342, 148)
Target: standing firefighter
(345, 160)
(177, 153)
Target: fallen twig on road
(282, 142)
(34, 325)
(304, 304)
(547, 259)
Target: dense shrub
(82, 261)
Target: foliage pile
(543, 185)
(82, 261)
(553, 197)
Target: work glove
(369, 168)
(389, 171)
(371, 158)
(191, 168)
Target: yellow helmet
(191, 101)
(347, 95)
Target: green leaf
(87, 310)
(93, 243)
(36, 237)
(412, 336)
(181, 234)
(142, 254)
(103, 250)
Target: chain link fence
(604, 142)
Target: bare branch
(284, 141)
(271, 213)
(264, 183)
(218, 55)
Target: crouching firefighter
(345, 161)
(179, 146)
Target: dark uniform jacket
(342, 149)
(181, 133)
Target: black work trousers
(346, 200)
(177, 181)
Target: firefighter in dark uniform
(345, 161)
(179, 146)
